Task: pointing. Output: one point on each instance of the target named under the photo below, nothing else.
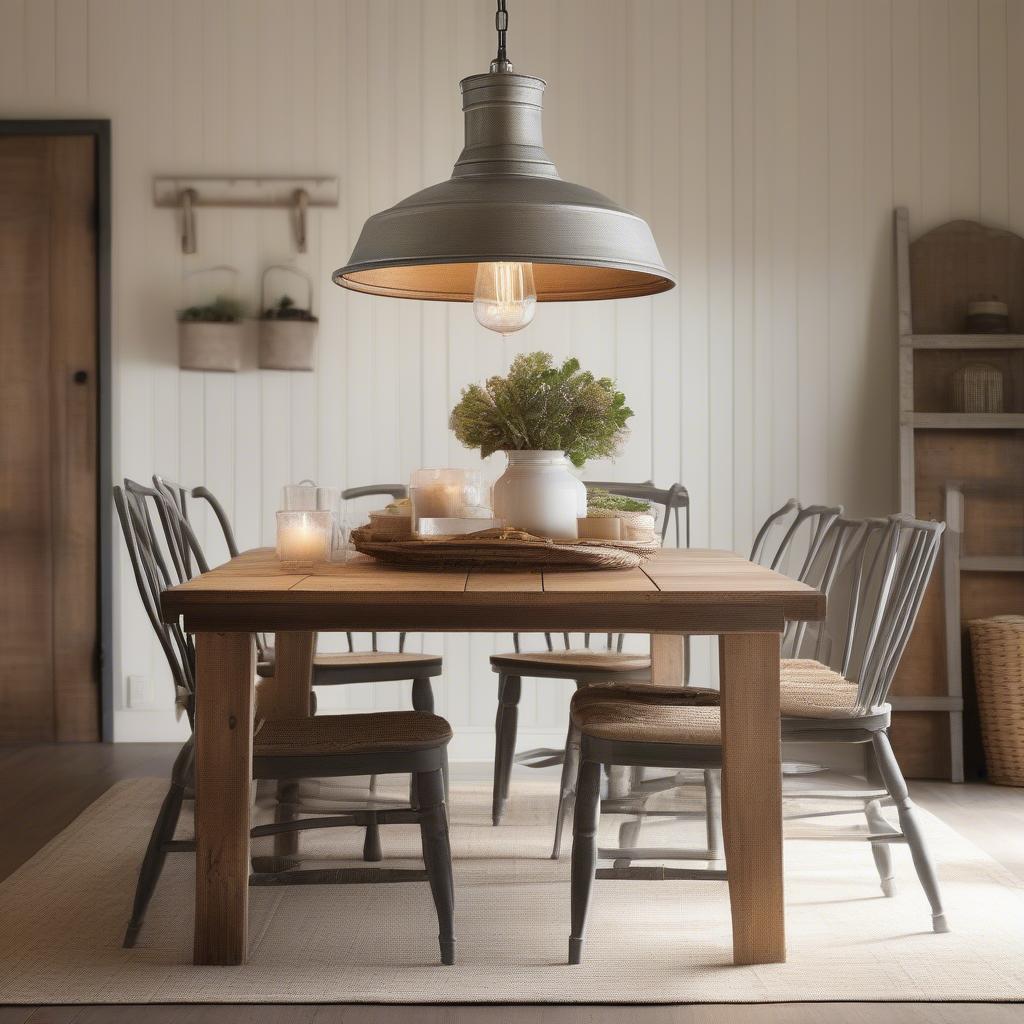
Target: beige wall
(766, 142)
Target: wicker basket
(502, 549)
(978, 387)
(997, 645)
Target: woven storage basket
(997, 645)
(978, 387)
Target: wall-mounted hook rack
(296, 194)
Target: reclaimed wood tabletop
(676, 593)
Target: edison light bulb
(504, 299)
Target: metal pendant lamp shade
(505, 203)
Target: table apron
(429, 617)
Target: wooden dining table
(676, 593)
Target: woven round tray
(504, 549)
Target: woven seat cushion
(581, 660)
(658, 714)
(810, 689)
(696, 722)
(358, 659)
(382, 732)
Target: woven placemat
(502, 549)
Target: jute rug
(63, 914)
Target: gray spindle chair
(581, 666)
(391, 742)
(834, 692)
(346, 668)
(788, 541)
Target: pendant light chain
(501, 61)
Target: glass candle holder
(304, 536)
(444, 493)
(299, 497)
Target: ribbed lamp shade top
(505, 203)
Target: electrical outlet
(140, 692)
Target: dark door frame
(100, 131)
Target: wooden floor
(45, 787)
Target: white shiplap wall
(766, 142)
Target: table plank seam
(651, 578)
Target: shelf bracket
(186, 193)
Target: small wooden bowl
(599, 528)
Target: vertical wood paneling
(71, 55)
(992, 105)
(722, 327)
(12, 51)
(665, 364)
(768, 219)
(766, 142)
(692, 268)
(40, 51)
(743, 241)
(783, 363)
(876, 424)
(812, 373)
(846, 249)
(964, 109)
(1015, 114)
(936, 198)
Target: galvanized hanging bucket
(211, 344)
(287, 342)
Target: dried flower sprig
(541, 407)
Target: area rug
(64, 913)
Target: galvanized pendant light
(505, 231)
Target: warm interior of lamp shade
(454, 282)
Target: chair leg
(713, 813)
(286, 844)
(505, 727)
(422, 700)
(371, 841)
(422, 695)
(584, 851)
(878, 824)
(567, 786)
(153, 861)
(437, 856)
(620, 781)
(897, 787)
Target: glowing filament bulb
(504, 299)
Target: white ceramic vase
(539, 494)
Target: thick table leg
(226, 667)
(668, 666)
(752, 795)
(289, 695)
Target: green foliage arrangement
(601, 499)
(221, 311)
(541, 407)
(287, 310)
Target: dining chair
(330, 746)
(582, 666)
(345, 668)
(834, 691)
(788, 541)
(329, 669)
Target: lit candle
(304, 536)
(436, 501)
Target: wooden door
(49, 673)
